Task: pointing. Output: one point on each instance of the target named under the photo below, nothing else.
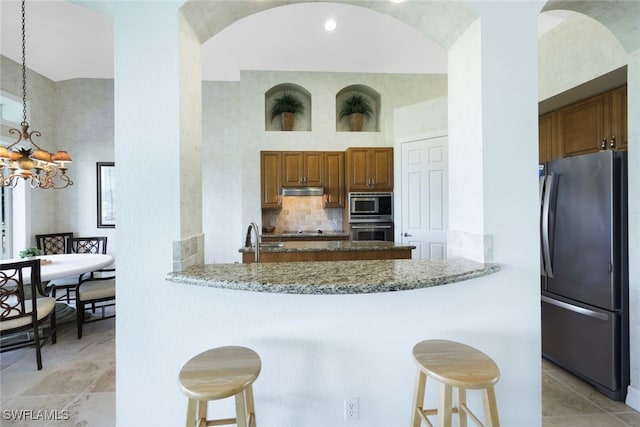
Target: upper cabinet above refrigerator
(594, 124)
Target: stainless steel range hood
(302, 191)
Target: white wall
(149, 325)
(633, 396)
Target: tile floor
(78, 381)
(75, 388)
(569, 402)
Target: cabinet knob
(612, 144)
(406, 235)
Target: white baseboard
(633, 398)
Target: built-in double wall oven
(371, 216)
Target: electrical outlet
(351, 409)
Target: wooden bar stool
(454, 365)
(217, 374)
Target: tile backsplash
(303, 213)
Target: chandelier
(27, 160)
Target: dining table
(67, 265)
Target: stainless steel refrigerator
(585, 268)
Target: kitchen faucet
(254, 227)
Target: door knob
(406, 235)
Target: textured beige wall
(575, 52)
(77, 116)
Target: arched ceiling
(293, 38)
(622, 18)
(73, 39)
(440, 20)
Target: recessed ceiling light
(397, 1)
(330, 24)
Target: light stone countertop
(329, 246)
(333, 277)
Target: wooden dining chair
(77, 245)
(53, 243)
(97, 290)
(24, 308)
(88, 245)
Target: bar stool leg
(444, 406)
(251, 410)
(418, 399)
(202, 413)
(191, 413)
(490, 407)
(241, 410)
(462, 403)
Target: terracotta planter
(286, 121)
(355, 121)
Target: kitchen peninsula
(292, 251)
(333, 277)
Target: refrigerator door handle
(546, 239)
(575, 308)
(541, 182)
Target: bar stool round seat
(217, 374)
(454, 365)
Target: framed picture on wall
(106, 194)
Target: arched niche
(371, 124)
(302, 120)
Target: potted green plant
(356, 107)
(30, 252)
(286, 107)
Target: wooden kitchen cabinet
(271, 185)
(588, 126)
(302, 168)
(370, 169)
(547, 144)
(619, 132)
(583, 127)
(334, 179)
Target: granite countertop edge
(285, 248)
(320, 278)
(303, 235)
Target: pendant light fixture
(24, 158)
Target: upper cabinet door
(357, 169)
(271, 186)
(313, 168)
(334, 179)
(584, 127)
(292, 170)
(619, 137)
(302, 168)
(546, 141)
(382, 169)
(370, 169)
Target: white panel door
(424, 197)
